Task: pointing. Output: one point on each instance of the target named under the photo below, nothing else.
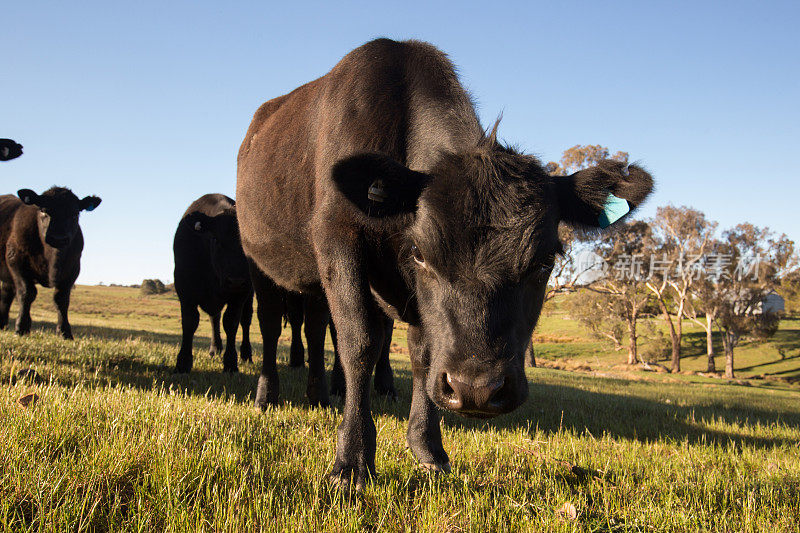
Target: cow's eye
(417, 255)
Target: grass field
(115, 442)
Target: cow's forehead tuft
(496, 188)
(486, 212)
(60, 194)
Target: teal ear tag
(90, 208)
(614, 209)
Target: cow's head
(227, 257)
(59, 210)
(9, 149)
(481, 237)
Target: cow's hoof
(317, 392)
(338, 385)
(246, 353)
(320, 402)
(297, 356)
(182, 369)
(443, 468)
(230, 361)
(390, 392)
(349, 478)
(429, 455)
(265, 394)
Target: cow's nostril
(446, 381)
(450, 393)
(499, 394)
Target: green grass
(115, 442)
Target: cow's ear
(599, 196)
(378, 185)
(200, 222)
(28, 197)
(89, 203)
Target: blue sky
(146, 103)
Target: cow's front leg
(246, 350)
(359, 345)
(26, 294)
(294, 312)
(61, 299)
(424, 435)
(359, 326)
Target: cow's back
(402, 99)
(194, 277)
(9, 206)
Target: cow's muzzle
(482, 396)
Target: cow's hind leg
(317, 317)
(384, 379)
(294, 312)
(230, 321)
(337, 374)
(246, 350)
(270, 313)
(7, 293)
(190, 318)
(424, 436)
(216, 338)
(26, 294)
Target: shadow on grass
(552, 407)
(556, 401)
(120, 334)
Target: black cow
(384, 379)
(9, 149)
(40, 242)
(294, 311)
(211, 272)
(376, 186)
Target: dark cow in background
(211, 272)
(40, 242)
(293, 313)
(384, 379)
(9, 149)
(376, 186)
